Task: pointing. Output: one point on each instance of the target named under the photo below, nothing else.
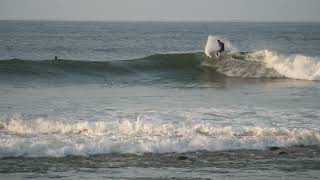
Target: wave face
(184, 67)
(149, 133)
(294, 66)
(152, 69)
(62, 67)
(268, 64)
(261, 64)
(242, 65)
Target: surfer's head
(218, 40)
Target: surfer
(221, 45)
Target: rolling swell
(161, 68)
(56, 67)
(150, 68)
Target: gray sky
(162, 10)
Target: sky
(161, 10)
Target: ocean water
(149, 100)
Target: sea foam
(291, 66)
(45, 137)
(212, 45)
(264, 63)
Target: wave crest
(41, 137)
(293, 66)
(262, 64)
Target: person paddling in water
(221, 45)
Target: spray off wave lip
(262, 63)
(149, 100)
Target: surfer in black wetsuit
(221, 45)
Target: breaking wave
(294, 66)
(261, 64)
(192, 66)
(44, 137)
(212, 46)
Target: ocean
(150, 100)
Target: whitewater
(263, 63)
(149, 100)
(148, 132)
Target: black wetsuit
(221, 44)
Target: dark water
(142, 100)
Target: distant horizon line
(128, 20)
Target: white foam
(212, 45)
(264, 63)
(44, 137)
(293, 66)
(234, 67)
